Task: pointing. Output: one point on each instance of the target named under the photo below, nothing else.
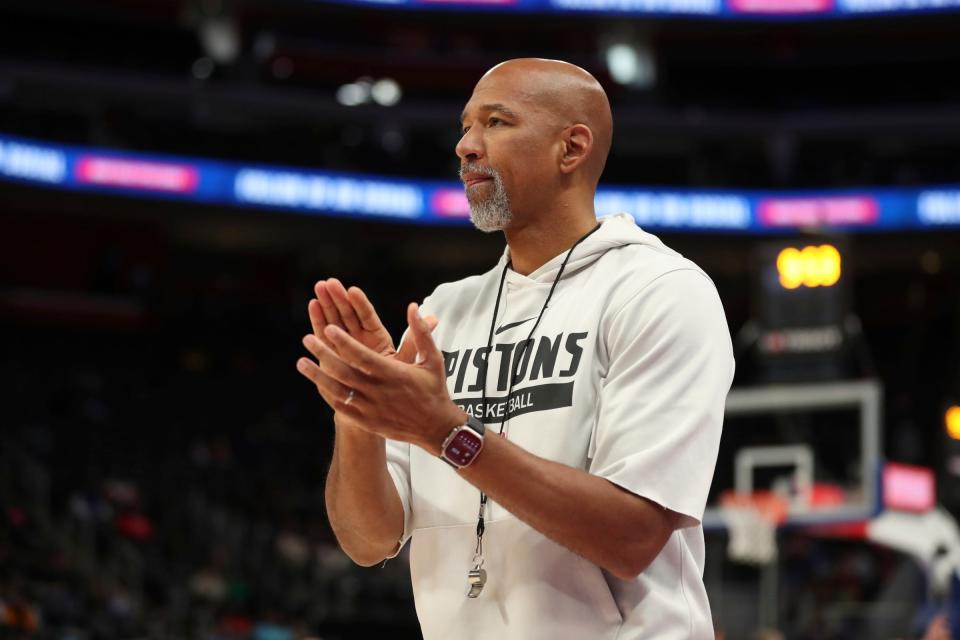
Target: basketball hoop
(752, 520)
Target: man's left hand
(402, 401)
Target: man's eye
(494, 121)
(464, 130)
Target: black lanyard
(513, 370)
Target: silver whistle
(476, 578)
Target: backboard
(816, 444)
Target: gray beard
(491, 213)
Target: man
(600, 356)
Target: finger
(427, 350)
(329, 388)
(366, 314)
(340, 299)
(408, 350)
(336, 395)
(330, 313)
(332, 365)
(317, 319)
(357, 356)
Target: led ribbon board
(730, 9)
(351, 195)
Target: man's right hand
(350, 310)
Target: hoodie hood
(615, 231)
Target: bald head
(535, 138)
(564, 93)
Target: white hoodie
(626, 379)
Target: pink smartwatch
(463, 444)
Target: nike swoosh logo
(507, 327)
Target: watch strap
(476, 425)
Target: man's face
(505, 151)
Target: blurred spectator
(938, 629)
(18, 615)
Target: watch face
(463, 448)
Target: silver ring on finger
(350, 395)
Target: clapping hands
(369, 384)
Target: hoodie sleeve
(398, 466)
(662, 400)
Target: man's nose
(469, 147)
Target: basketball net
(752, 520)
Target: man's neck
(532, 245)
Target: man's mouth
(473, 178)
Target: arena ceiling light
(220, 38)
(386, 92)
(353, 94)
(631, 63)
(217, 31)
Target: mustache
(471, 167)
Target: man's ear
(577, 146)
